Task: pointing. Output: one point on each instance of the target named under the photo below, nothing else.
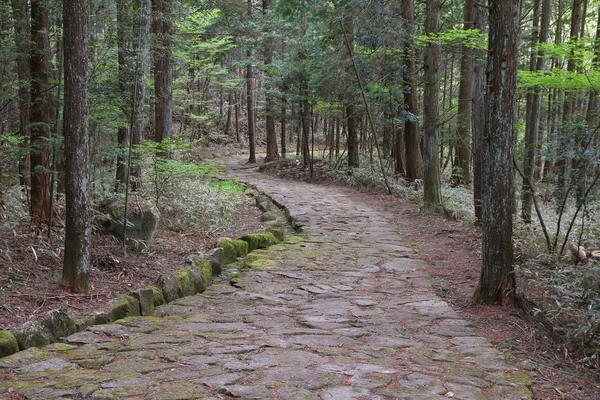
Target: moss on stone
(279, 233)
(259, 240)
(8, 344)
(268, 216)
(101, 318)
(32, 334)
(29, 356)
(82, 322)
(205, 268)
(59, 324)
(145, 297)
(258, 261)
(228, 252)
(294, 239)
(241, 247)
(124, 306)
(185, 285)
(168, 286)
(157, 296)
(60, 347)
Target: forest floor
(31, 264)
(452, 249)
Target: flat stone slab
(343, 312)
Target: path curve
(347, 312)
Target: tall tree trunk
(78, 229)
(229, 109)
(497, 281)
(461, 174)
(352, 139)
(236, 110)
(412, 137)
(478, 103)
(40, 112)
(250, 98)
(283, 129)
(162, 27)
(272, 151)
(432, 198)
(349, 100)
(537, 63)
(22, 41)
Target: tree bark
(283, 129)
(478, 103)
(497, 281)
(40, 112)
(412, 137)
(162, 27)
(537, 63)
(22, 41)
(78, 229)
(461, 175)
(432, 198)
(272, 151)
(250, 99)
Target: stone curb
(194, 278)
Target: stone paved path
(344, 313)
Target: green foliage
(470, 38)
(227, 186)
(166, 166)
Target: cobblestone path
(345, 312)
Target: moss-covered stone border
(194, 278)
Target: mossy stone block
(191, 281)
(82, 322)
(264, 203)
(268, 216)
(125, 306)
(145, 297)
(8, 344)
(279, 233)
(228, 252)
(185, 284)
(259, 240)
(59, 324)
(168, 285)
(101, 318)
(157, 296)
(241, 247)
(205, 267)
(32, 334)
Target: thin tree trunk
(462, 172)
(250, 99)
(229, 109)
(283, 129)
(22, 41)
(40, 112)
(478, 102)
(566, 142)
(162, 26)
(537, 63)
(133, 32)
(78, 229)
(412, 137)
(432, 199)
